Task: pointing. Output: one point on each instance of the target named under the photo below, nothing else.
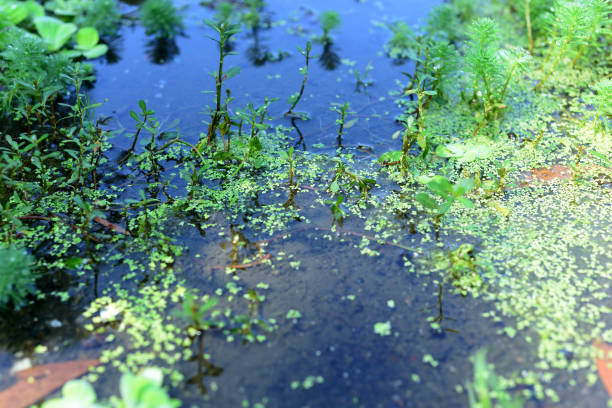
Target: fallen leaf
(37, 382)
(548, 174)
(107, 224)
(604, 364)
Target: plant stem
(528, 21)
(295, 102)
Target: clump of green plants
(402, 43)
(459, 267)
(16, 276)
(144, 390)
(568, 32)
(602, 104)
(492, 69)
(330, 21)
(448, 192)
(251, 17)
(30, 74)
(161, 19)
(488, 389)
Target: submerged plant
(330, 20)
(488, 389)
(161, 19)
(16, 277)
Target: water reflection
(329, 59)
(162, 50)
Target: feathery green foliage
(492, 68)
(330, 20)
(161, 19)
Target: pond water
(328, 352)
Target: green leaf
(443, 209)
(87, 38)
(34, 9)
(440, 185)
(334, 187)
(13, 13)
(96, 52)
(232, 72)
(426, 201)
(466, 203)
(350, 123)
(54, 31)
(464, 186)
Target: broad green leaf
(34, 9)
(426, 201)
(466, 203)
(443, 209)
(12, 13)
(466, 185)
(96, 52)
(232, 72)
(440, 185)
(54, 31)
(87, 38)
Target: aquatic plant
(402, 43)
(16, 277)
(161, 19)
(143, 390)
(448, 192)
(598, 24)
(342, 110)
(103, 15)
(288, 157)
(363, 80)
(330, 20)
(570, 30)
(488, 389)
(492, 69)
(602, 104)
(30, 74)
(87, 43)
(536, 15)
(295, 98)
(252, 17)
(225, 31)
(54, 32)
